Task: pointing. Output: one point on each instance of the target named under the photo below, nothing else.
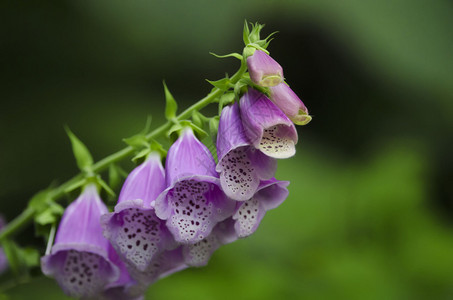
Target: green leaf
(41, 200)
(223, 84)
(246, 33)
(141, 155)
(105, 186)
(139, 140)
(81, 153)
(214, 126)
(20, 259)
(29, 256)
(50, 215)
(171, 105)
(196, 118)
(11, 253)
(116, 175)
(235, 55)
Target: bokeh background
(370, 210)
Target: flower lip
(203, 199)
(248, 214)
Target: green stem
(28, 214)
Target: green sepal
(214, 127)
(235, 55)
(157, 147)
(246, 33)
(46, 210)
(179, 127)
(81, 153)
(116, 175)
(105, 186)
(225, 100)
(11, 252)
(139, 140)
(171, 106)
(50, 215)
(223, 84)
(141, 155)
(196, 118)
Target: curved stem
(28, 214)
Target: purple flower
(284, 97)
(248, 215)
(266, 126)
(79, 258)
(134, 230)
(194, 202)
(198, 254)
(241, 166)
(264, 70)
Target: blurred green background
(370, 210)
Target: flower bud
(284, 97)
(264, 70)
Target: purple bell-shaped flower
(240, 165)
(134, 230)
(264, 70)
(266, 126)
(284, 97)
(79, 259)
(248, 215)
(194, 202)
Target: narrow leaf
(235, 55)
(81, 153)
(171, 105)
(223, 84)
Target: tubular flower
(194, 202)
(284, 97)
(79, 258)
(241, 166)
(264, 70)
(266, 126)
(248, 215)
(134, 230)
